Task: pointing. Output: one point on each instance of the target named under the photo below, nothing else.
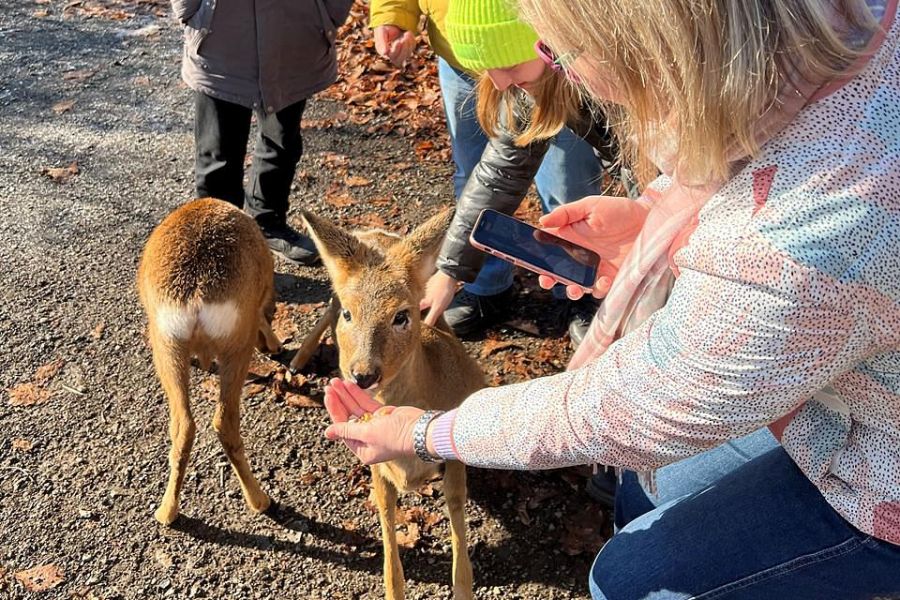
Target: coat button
(270, 109)
(204, 31)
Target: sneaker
(470, 313)
(288, 243)
(581, 313)
(601, 487)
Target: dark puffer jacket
(260, 53)
(500, 181)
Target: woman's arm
(722, 359)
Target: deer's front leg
(386, 501)
(455, 493)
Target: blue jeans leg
(570, 171)
(467, 142)
(761, 532)
(688, 476)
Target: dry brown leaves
(414, 522)
(40, 579)
(383, 98)
(61, 174)
(36, 391)
(63, 106)
(22, 445)
(115, 10)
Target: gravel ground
(82, 468)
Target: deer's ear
(418, 251)
(341, 252)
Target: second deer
(378, 281)
(206, 283)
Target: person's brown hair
(704, 70)
(553, 102)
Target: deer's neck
(410, 386)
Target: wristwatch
(420, 428)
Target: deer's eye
(346, 315)
(401, 319)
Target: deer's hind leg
(227, 423)
(455, 493)
(172, 362)
(386, 501)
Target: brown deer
(384, 347)
(206, 283)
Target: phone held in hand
(527, 246)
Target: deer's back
(207, 250)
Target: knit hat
(487, 34)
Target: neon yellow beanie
(487, 34)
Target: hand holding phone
(606, 224)
(539, 251)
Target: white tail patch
(218, 320)
(181, 321)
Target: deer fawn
(384, 347)
(206, 283)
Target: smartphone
(546, 254)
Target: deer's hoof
(166, 515)
(260, 504)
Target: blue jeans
(569, 171)
(738, 522)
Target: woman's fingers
(336, 409)
(568, 213)
(574, 292)
(546, 282)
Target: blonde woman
(778, 124)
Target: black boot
(581, 313)
(288, 243)
(470, 313)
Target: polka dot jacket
(786, 314)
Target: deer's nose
(367, 380)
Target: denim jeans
(738, 522)
(569, 171)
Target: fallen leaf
(40, 579)
(339, 200)
(97, 332)
(357, 181)
(41, 13)
(141, 80)
(253, 389)
(301, 401)
(22, 445)
(28, 394)
(61, 174)
(368, 220)
(491, 346)
(48, 371)
(310, 307)
(63, 106)
(407, 539)
(78, 75)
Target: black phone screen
(536, 248)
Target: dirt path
(83, 437)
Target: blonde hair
(706, 69)
(553, 102)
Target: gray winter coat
(264, 54)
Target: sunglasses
(556, 63)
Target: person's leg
(279, 146)
(221, 130)
(570, 171)
(473, 308)
(688, 476)
(763, 531)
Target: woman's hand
(386, 435)
(394, 44)
(439, 292)
(607, 225)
